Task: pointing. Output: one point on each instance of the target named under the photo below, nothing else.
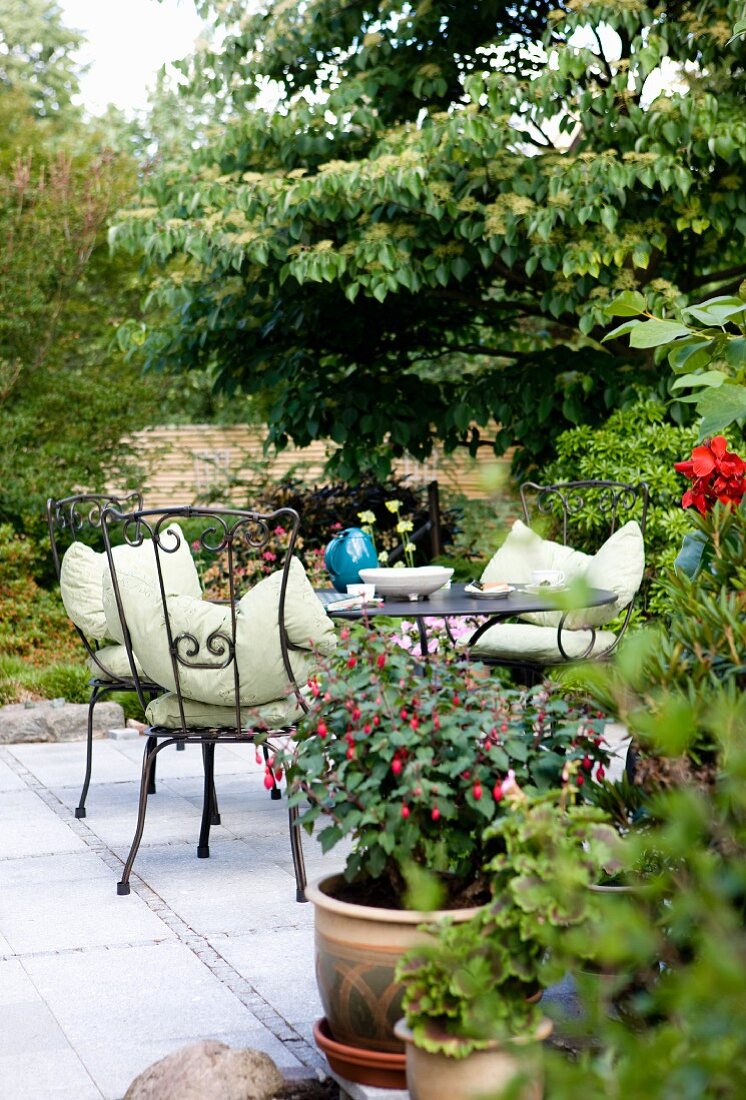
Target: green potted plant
(408, 761)
(472, 1020)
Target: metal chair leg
(80, 808)
(208, 756)
(149, 746)
(296, 848)
(148, 761)
(215, 818)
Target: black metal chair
(563, 511)
(78, 518)
(199, 664)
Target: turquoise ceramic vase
(349, 552)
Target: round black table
(456, 601)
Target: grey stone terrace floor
(95, 987)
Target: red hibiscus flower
(716, 474)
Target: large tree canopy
(425, 232)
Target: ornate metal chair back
(232, 548)
(566, 506)
(78, 518)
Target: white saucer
(537, 589)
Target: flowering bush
(440, 637)
(716, 474)
(411, 761)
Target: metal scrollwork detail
(186, 647)
(253, 531)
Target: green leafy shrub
(637, 443)
(475, 981)
(20, 680)
(33, 623)
(64, 681)
(687, 925)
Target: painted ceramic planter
(357, 950)
(482, 1073)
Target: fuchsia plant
(411, 760)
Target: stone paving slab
(28, 827)
(9, 781)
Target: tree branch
(718, 277)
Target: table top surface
(455, 601)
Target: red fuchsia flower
(716, 474)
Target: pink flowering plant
(412, 760)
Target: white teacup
(548, 578)
(367, 591)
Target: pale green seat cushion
(164, 712)
(84, 574)
(114, 660)
(618, 567)
(258, 656)
(538, 644)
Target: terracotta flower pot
(357, 950)
(366, 1067)
(482, 1073)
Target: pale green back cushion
(522, 552)
(261, 669)
(85, 580)
(112, 662)
(617, 566)
(180, 577)
(80, 587)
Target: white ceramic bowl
(406, 583)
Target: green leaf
(735, 353)
(691, 556)
(621, 330)
(629, 304)
(652, 334)
(720, 407)
(691, 355)
(708, 378)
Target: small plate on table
(541, 589)
(476, 589)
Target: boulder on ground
(56, 720)
(208, 1071)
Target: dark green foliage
(33, 623)
(428, 242)
(328, 508)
